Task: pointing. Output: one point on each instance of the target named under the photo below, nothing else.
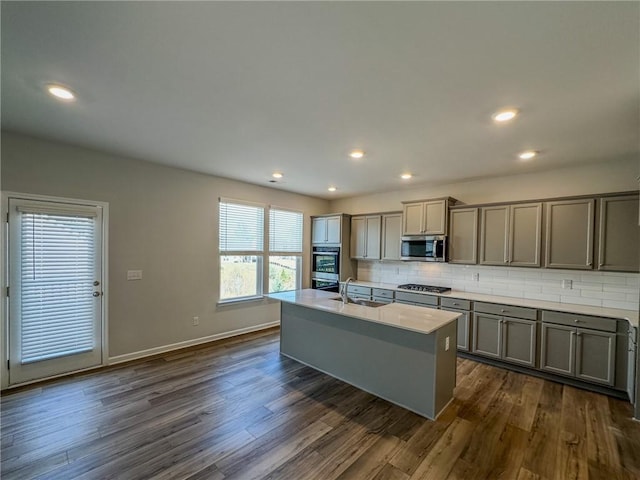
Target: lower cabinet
(509, 339)
(586, 354)
(464, 327)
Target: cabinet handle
(503, 310)
(578, 333)
(456, 303)
(575, 320)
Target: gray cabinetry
(569, 236)
(358, 291)
(618, 234)
(426, 217)
(464, 321)
(576, 351)
(326, 230)
(519, 341)
(463, 236)
(509, 338)
(558, 347)
(365, 237)
(382, 295)
(510, 234)
(487, 335)
(391, 234)
(411, 298)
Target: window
(244, 251)
(285, 250)
(241, 249)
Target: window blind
(57, 265)
(285, 231)
(241, 227)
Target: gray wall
(611, 176)
(163, 221)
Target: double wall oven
(325, 268)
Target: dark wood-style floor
(238, 410)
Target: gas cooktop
(424, 288)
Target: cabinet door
(487, 335)
(373, 238)
(413, 219)
(596, 356)
(569, 238)
(519, 341)
(494, 235)
(391, 233)
(358, 237)
(525, 234)
(464, 326)
(619, 234)
(319, 230)
(463, 236)
(558, 352)
(435, 216)
(334, 229)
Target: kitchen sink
(358, 301)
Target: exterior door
(55, 288)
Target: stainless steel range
(416, 287)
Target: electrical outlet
(196, 321)
(476, 277)
(567, 284)
(446, 344)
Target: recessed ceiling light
(406, 176)
(528, 155)
(58, 91)
(356, 154)
(504, 115)
(277, 175)
(332, 189)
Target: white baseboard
(188, 343)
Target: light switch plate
(134, 274)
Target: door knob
(96, 294)
(96, 283)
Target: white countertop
(408, 317)
(630, 315)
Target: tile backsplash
(600, 289)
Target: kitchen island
(402, 353)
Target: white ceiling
(243, 89)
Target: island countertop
(407, 317)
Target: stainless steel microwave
(424, 248)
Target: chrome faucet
(345, 289)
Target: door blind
(57, 270)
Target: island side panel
(392, 363)
(446, 363)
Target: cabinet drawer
(505, 310)
(382, 299)
(455, 303)
(417, 298)
(582, 321)
(359, 290)
(383, 293)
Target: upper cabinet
(463, 236)
(391, 234)
(427, 217)
(510, 234)
(569, 236)
(365, 237)
(326, 230)
(618, 233)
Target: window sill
(235, 301)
